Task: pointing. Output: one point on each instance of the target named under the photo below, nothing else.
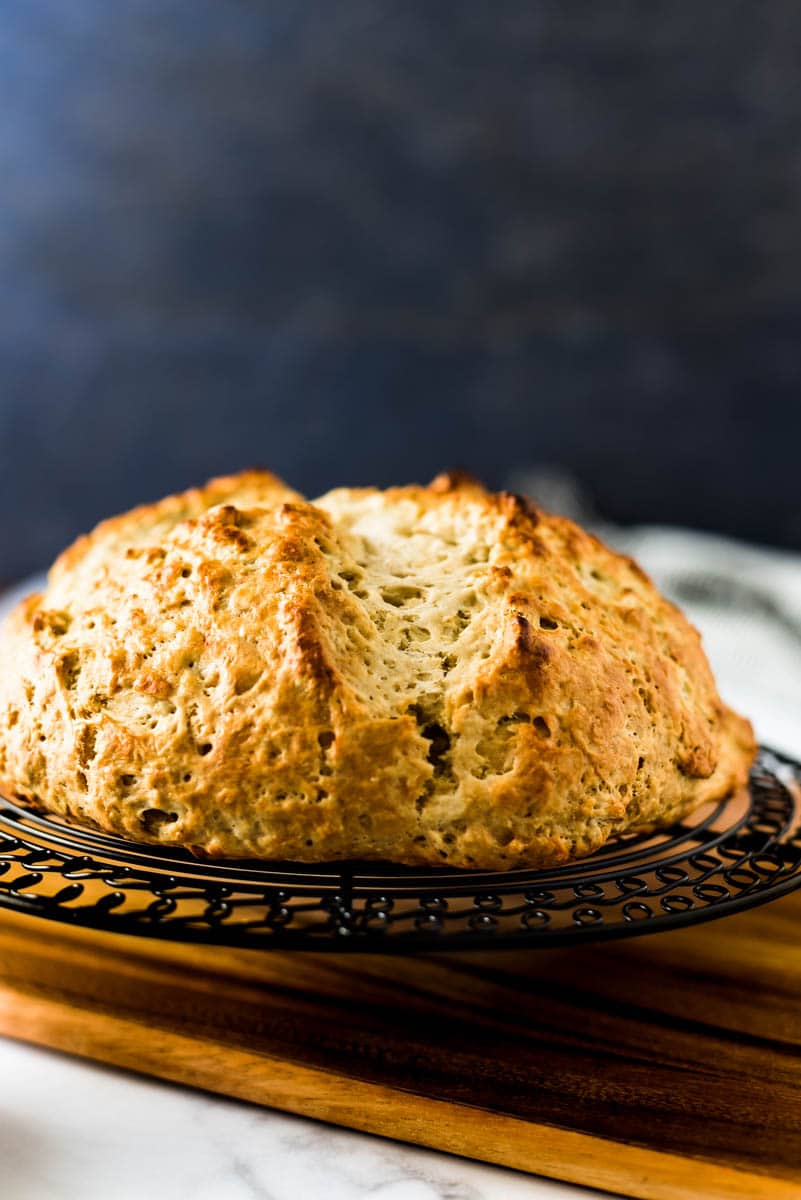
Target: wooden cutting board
(665, 1066)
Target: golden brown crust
(425, 675)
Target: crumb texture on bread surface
(430, 675)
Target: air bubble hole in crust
(153, 820)
(400, 594)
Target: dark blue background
(360, 241)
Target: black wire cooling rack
(741, 852)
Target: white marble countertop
(72, 1129)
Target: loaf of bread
(428, 675)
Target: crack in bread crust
(427, 675)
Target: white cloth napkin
(746, 600)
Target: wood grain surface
(665, 1067)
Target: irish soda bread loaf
(429, 675)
